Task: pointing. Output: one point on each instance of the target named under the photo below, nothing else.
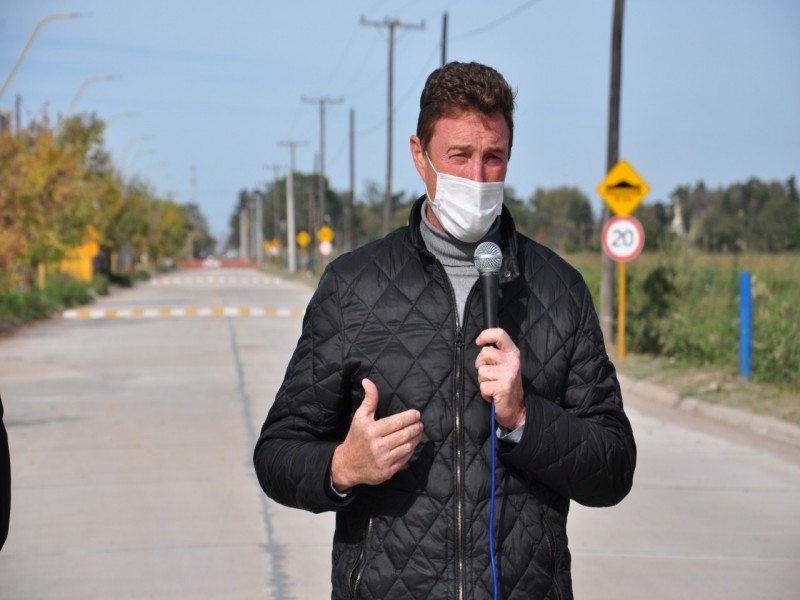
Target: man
(5, 481)
(384, 415)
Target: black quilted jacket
(386, 311)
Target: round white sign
(623, 238)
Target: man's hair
(458, 87)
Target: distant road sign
(303, 239)
(623, 189)
(325, 234)
(623, 238)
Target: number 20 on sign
(623, 238)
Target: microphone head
(488, 258)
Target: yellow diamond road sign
(303, 239)
(622, 189)
(325, 234)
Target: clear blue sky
(711, 88)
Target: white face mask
(465, 208)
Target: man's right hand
(374, 450)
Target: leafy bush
(651, 306)
(776, 334)
(66, 292)
(686, 305)
(17, 307)
(100, 284)
(122, 279)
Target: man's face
(469, 144)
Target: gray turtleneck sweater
(457, 257)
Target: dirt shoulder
(713, 386)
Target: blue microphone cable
(493, 435)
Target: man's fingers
(403, 451)
(397, 443)
(395, 423)
(488, 356)
(493, 337)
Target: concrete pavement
(131, 443)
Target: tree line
(753, 216)
(58, 187)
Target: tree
(46, 197)
(562, 218)
(167, 229)
(519, 211)
(656, 220)
(202, 243)
(750, 216)
(54, 188)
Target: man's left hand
(500, 377)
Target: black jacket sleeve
(581, 445)
(311, 412)
(5, 480)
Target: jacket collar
(508, 239)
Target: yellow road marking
(176, 312)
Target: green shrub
(18, 307)
(686, 306)
(650, 306)
(66, 292)
(776, 338)
(60, 291)
(124, 280)
(100, 284)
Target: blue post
(745, 325)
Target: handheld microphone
(488, 260)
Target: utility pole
(193, 182)
(193, 200)
(244, 231)
(18, 114)
(392, 24)
(444, 39)
(321, 174)
(612, 157)
(276, 214)
(259, 241)
(290, 225)
(349, 218)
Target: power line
(496, 22)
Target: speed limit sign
(623, 238)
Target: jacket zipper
(459, 432)
(551, 542)
(461, 586)
(358, 569)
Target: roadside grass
(713, 385)
(18, 307)
(682, 326)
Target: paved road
(131, 431)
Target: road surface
(132, 423)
